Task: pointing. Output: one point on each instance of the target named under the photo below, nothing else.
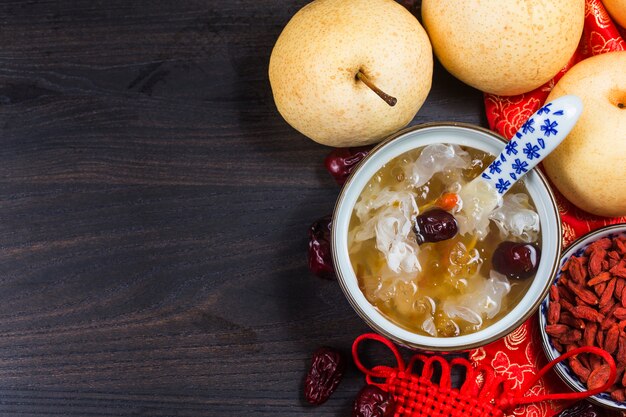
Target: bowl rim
(448, 347)
(548, 349)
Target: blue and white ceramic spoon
(539, 136)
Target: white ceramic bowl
(416, 137)
(562, 368)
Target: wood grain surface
(153, 213)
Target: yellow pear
(504, 47)
(328, 54)
(617, 10)
(589, 166)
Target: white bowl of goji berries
(587, 306)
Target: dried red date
(372, 401)
(340, 162)
(325, 373)
(515, 260)
(320, 253)
(436, 225)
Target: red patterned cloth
(519, 355)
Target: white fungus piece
(369, 203)
(386, 197)
(428, 325)
(436, 158)
(392, 232)
(517, 218)
(463, 264)
(388, 215)
(388, 281)
(484, 301)
(464, 313)
(478, 199)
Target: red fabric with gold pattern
(519, 355)
(507, 114)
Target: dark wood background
(153, 213)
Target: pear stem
(388, 99)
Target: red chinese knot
(483, 394)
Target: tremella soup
(426, 263)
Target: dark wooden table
(153, 213)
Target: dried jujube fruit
(325, 373)
(372, 401)
(516, 260)
(320, 252)
(434, 226)
(340, 162)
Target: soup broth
(447, 288)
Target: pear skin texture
(589, 166)
(617, 10)
(317, 56)
(504, 47)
